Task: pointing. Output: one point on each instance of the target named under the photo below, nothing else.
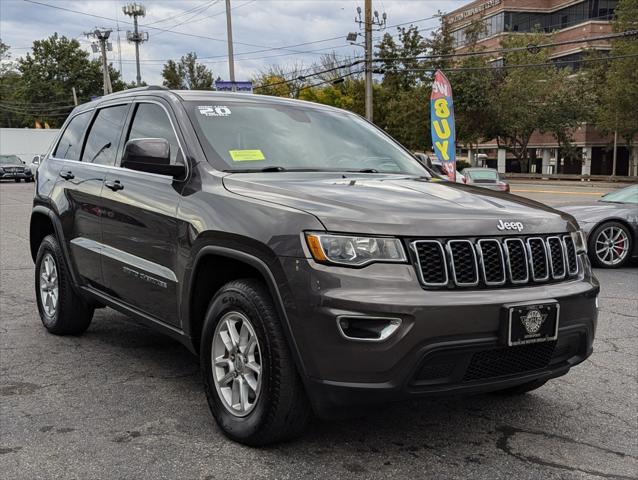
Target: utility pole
(229, 34)
(369, 22)
(136, 10)
(102, 36)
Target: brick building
(569, 20)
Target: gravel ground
(124, 402)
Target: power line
(206, 4)
(35, 2)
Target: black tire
(17, 180)
(72, 314)
(521, 389)
(281, 411)
(591, 247)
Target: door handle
(68, 175)
(115, 186)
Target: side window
(101, 142)
(151, 121)
(70, 143)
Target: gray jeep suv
(308, 259)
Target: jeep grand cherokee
(308, 259)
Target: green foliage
(618, 92)
(39, 89)
(187, 74)
(461, 164)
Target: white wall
(26, 142)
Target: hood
(398, 205)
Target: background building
(569, 20)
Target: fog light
(367, 329)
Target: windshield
(251, 136)
(482, 174)
(10, 160)
(624, 195)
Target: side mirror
(36, 160)
(151, 155)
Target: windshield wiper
(364, 170)
(274, 168)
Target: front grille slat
(570, 254)
(432, 263)
(493, 262)
(463, 263)
(556, 257)
(538, 259)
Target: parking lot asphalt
(121, 401)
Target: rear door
(140, 230)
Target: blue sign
(225, 86)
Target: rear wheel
(252, 385)
(521, 389)
(62, 310)
(610, 245)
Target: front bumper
(13, 175)
(443, 334)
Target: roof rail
(142, 89)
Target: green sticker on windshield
(246, 155)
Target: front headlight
(580, 242)
(354, 251)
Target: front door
(76, 194)
(140, 225)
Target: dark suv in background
(305, 256)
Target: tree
(473, 107)
(187, 74)
(10, 115)
(618, 93)
(47, 75)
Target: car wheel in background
(252, 385)
(610, 245)
(62, 310)
(17, 180)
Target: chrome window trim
(551, 262)
(414, 246)
(569, 238)
(114, 168)
(531, 258)
(479, 248)
(451, 257)
(506, 251)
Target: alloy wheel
(612, 245)
(237, 363)
(49, 285)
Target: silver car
(611, 226)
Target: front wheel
(610, 245)
(62, 310)
(252, 386)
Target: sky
(265, 32)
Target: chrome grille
(490, 262)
